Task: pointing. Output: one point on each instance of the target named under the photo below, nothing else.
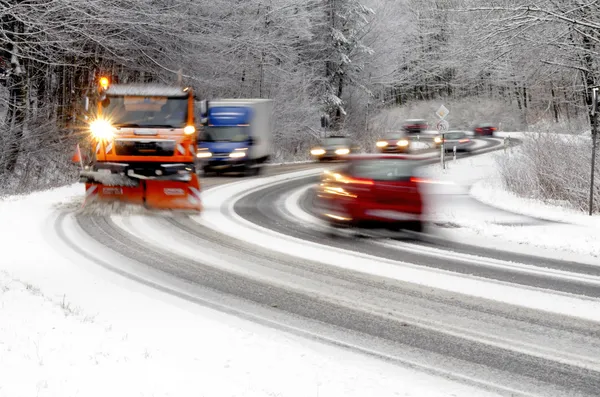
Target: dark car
(394, 142)
(333, 148)
(485, 129)
(414, 126)
(460, 139)
(373, 191)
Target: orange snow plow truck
(143, 146)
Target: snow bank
(474, 199)
(491, 191)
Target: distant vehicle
(373, 191)
(485, 129)
(238, 136)
(334, 148)
(394, 142)
(414, 126)
(460, 139)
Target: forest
(527, 66)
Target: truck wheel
(250, 170)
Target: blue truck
(237, 136)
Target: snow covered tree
(340, 32)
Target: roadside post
(454, 153)
(594, 134)
(443, 151)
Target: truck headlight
(189, 130)
(203, 155)
(317, 152)
(237, 154)
(101, 129)
(342, 151)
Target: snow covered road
(253, 296)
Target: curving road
(507, 348)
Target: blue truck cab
(237, 136)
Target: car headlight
(342, 151)
(317, 152)
(237, 153)
(203, 155)
(101, 129)
(437, 139)
(402, 142)
(381, 144)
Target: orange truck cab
(144, 143)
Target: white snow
(70, 328)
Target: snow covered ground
(71, 328)
(564, 233)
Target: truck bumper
(223, 164)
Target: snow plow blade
(97, 192)
(160, 194)
(173, 195)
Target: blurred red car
(485, 129)
(373, 191)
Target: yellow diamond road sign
(442, 112)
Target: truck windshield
(139, 111)
(227, 134)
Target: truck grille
(145, 148)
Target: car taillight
(478, 129)
(356, 181)
(493, 128)
(464, 140)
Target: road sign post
(443, 126)
(443, 152)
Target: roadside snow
(71, 328)
(492, 192)
(473, 199)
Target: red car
(485, 129)
(373, 191)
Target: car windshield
(225, 134)
(139, 111)
(383, 169)
(335, 142)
